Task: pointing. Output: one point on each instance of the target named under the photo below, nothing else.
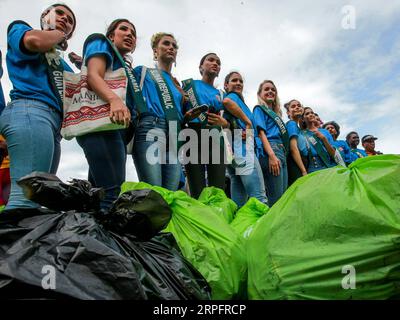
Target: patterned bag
(84, 110)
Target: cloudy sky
(339, 57)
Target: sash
(317, 144)
(281, 125)
(194, 101)
(132, 82)
(55, 72)
(165, 95)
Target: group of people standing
(279, 153)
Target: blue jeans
(32, 131)
(315, 164)
(275, 185)
(247, 184)
(150, 154)
(105, 153)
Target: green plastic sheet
(206, 240)
(216, 198)
(335, 234)
(247, 216)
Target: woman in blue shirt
(106, 151)
(31, 122)
(296, 164)
(275, 141)
(245, 171)
(155, 146)
(209, 170)
(341, 145)
(318, 144)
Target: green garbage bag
(207, 241)
(247, 216)
(335, 234)
(217, 199)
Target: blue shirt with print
(100, 47)
(344, 150)
(206, 94)
(151, 95)
(2, 101)
(358, 152)
(304, 150)
(28, 70)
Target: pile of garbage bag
(335, 234)
(77, 255)
(206, 240)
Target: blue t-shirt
(151, 95)
(206, 94)
(345, 151)
(358, 152)
(263, 122)
(101, 47)
(28, 70)
(242, 143)
(2, 101)
(304, 150)
(294, 132)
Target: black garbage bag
(74, 256)
(142, 213)
(49, 191)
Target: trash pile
(335, 234)
(89, 258)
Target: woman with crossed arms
(318, 143)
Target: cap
(368, 137)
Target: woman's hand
(274, 165)
(217, 120)
(76, 60)
(319, 135)
(249, 126)
(119, 113)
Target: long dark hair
(110, 31)
(303, 124)
(226, 81)
(47, 10)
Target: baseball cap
(368, 137)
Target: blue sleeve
(293, 129)
(98, 47)
(15, 38)
(328, 136)
(260, 122)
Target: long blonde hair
(277, 104)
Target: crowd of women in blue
(280, 153)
